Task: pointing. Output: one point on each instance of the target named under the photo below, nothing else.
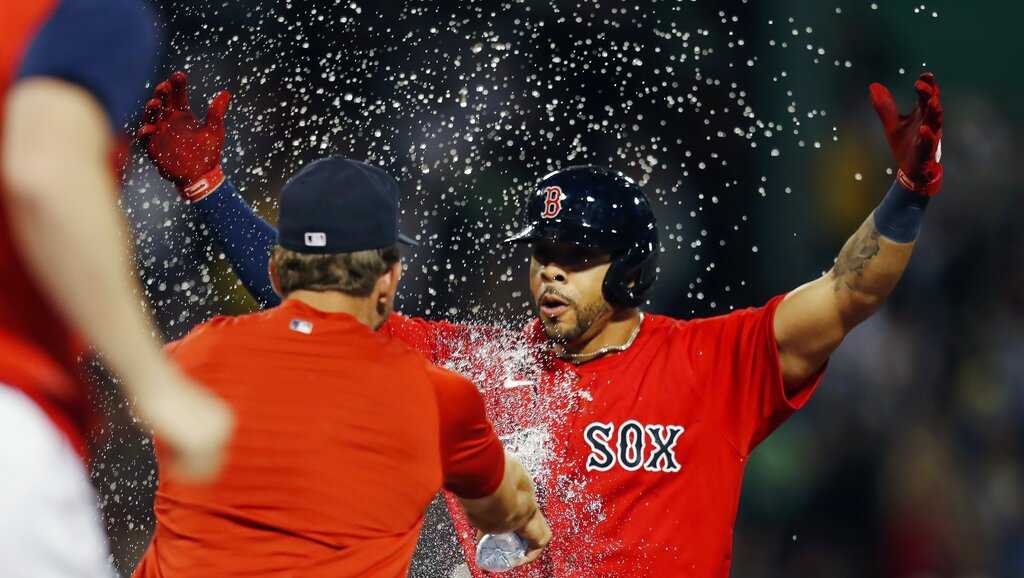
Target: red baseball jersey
(105, 47)
(638, 455)
(343, 436)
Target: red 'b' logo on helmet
(552, 202)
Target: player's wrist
(202, 187)
(900, 214)
(927, 183)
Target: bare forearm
(813, 319)
(866, 271)
(507, 509)
(61, 201)
(81, 264)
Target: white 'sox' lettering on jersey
(636, 445)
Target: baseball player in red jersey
(644, 423)
(70, 72)
(344, 434)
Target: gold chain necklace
(577, 358)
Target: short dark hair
(350, 273)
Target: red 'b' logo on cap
(552, 202)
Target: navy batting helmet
(598, 207)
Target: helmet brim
(566, 231)
(407, 241)
(527, 235)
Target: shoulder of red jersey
(736, 314)
(658, 322)
(446, 380)
(272, 323)
(659, 328)
(693, 336)
(201, 331)
(715, 323)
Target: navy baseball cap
(338, 205)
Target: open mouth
(552, 305)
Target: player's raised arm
(60, 202)
(813, 319)
(188, 153)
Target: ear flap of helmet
(631, 275)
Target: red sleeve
(737, 357)
(473, 458)
(435, 339)
(183, 350)
(446, 343)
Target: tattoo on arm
(848, 271)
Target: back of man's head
(354, 273)
(338, 232)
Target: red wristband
(928, 189)
(203, 186)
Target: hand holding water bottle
(502, 552)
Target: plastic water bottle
(500, 552)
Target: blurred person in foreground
(646, 422)
(344, 434)
(70, 73)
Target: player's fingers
(884, 104)
(218, 107)
(162, 93)
(929, 79)
(179, 91)
(925, 91)
(536, 533)
(531, 556)
(152, 111)
(933, 108)
(146, 130)
(935, 85)
(933, 113)
(162, 89)
(928, 136)
(928, 142)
